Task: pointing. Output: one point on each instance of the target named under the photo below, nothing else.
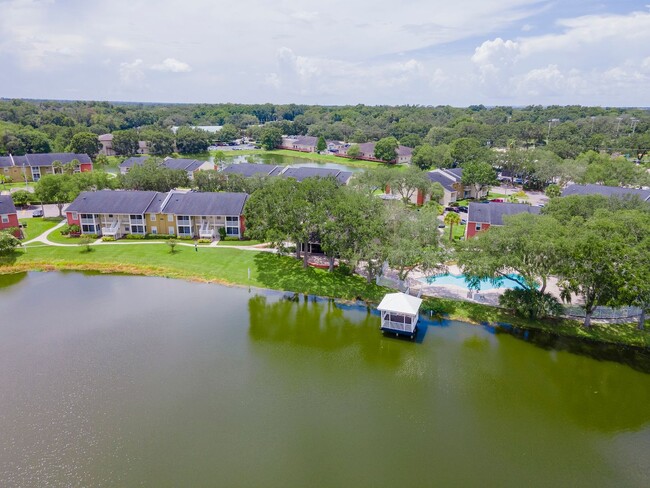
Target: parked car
(497, 200)
(463, 209)
(37, 213)
(452, 209)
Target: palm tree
(57, 167)
(451, 219)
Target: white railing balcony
(389, 324)
(88, 221)
(112, 229)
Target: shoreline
(442, 308)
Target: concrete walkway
(44, 240)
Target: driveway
(51, 210)
(535, 198)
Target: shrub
(134, 236)
(159, 236)
(23, 197)
(8, 242)
(186, 238)
(531, 304)
(70, 229)
(172, 245)
(108, 239)
(222, 233)
(205, 241)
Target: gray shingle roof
(608, 191)
(130, 162)
(493, 213)
(112, 202)
(43, 159)
(46, 159)
(181, 163)
(249, 169)
(302, 173)
(446, 180)
(195, 203)
(7, 205)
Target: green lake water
(132, 381)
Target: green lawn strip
(36, 226)
(209, 264)
(239, 243)
(476, 313)
(55, 236)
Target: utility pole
(633, 122)
(618, 125)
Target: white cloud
(131, 72)
(172, 65)
(370, 51)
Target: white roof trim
(400, 303)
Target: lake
(135, 381)
(282, 160)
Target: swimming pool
(459, 280)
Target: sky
(376, 52)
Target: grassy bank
(36, 226)
(230, 266)
(218, 265)
(324, 158)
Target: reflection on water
(132, 381)
(282, 160)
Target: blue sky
(430, 52)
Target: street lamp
(618, 125)
(550, 123)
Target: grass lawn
(237, 242)
(20, 184)
(59, 239)
(221, 265)
(36, 226)
(477, 313)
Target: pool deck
(488, 297)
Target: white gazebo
(399, 313)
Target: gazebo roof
(400, 303)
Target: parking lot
(51, 210)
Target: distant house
(129, 163)
(302, 173)
(8, 215)
(608, 191)
(116, 213)
(482, 216)
(250, 169)
(191, 166)
(453, 189)
(106, 140)
(212, 129)
(367, 152)
(31, 167)
(299, 143)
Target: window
(5, 219)
(184, 230)
(137, 229)
(152, 217)
(88, 229)
(75, 216)
(183, 219)
(232, 226)
(154, 230)
(170, 231)
(170, 218)
(478, 227)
